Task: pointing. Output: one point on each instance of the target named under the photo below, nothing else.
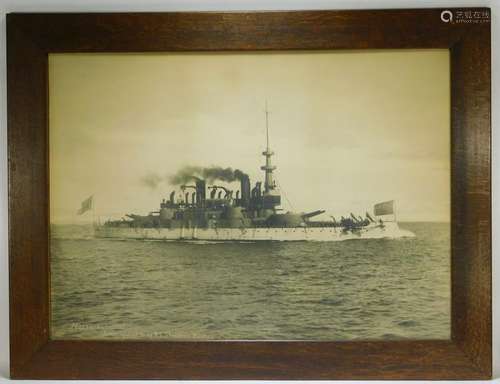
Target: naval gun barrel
(369, 217)
(357, 219)
(312, 214)
(135, 217)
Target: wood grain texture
(28, 197)
(251, 360)
(31, 37)
(471, 199)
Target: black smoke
(151, 180)
(210, 174)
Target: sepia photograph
(294, 195)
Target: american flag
(86, 205)
(385, 208)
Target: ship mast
(269, 183)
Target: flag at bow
(385, 208)
(87, 205)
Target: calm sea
(355, 289)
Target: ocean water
(355, 289)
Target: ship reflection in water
(370, 289)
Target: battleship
(208, 211)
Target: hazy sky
(349, 128)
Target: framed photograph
(254, 195)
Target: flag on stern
(86, 205)
(385, 208)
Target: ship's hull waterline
(389, 230)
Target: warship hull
(389, 230)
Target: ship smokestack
(200, 193)
(172, 197)
(245, 190)
(257, 190)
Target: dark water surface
(355, 289)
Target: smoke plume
(211, 174)
(151, 180)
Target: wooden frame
(32, 36)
